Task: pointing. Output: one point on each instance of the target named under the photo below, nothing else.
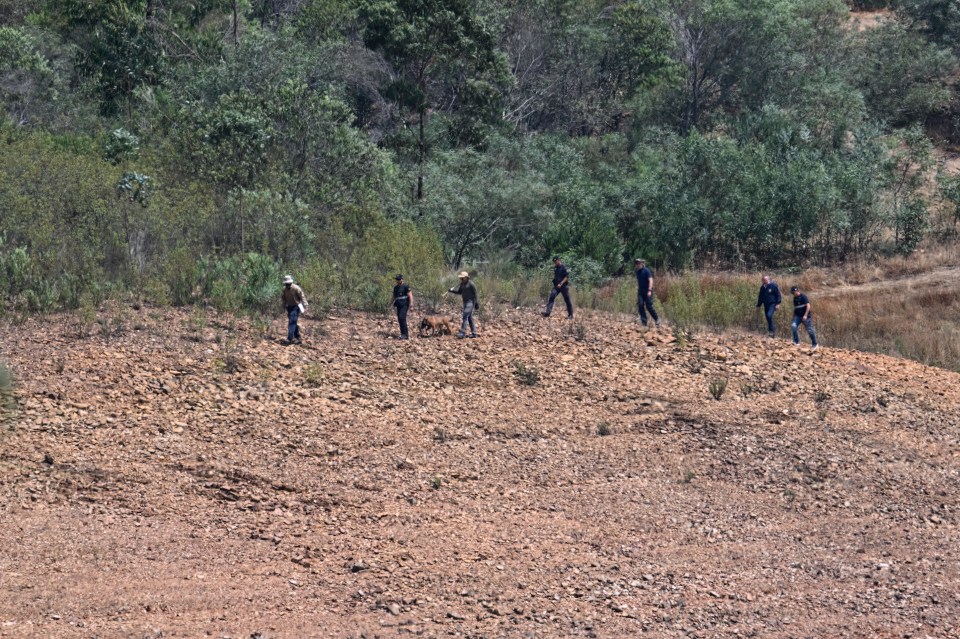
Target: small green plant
(86, 317)
(261, 325)
(683, 335)
(313, 374)
(437, 482)
(688, 476)
(197, 324)
(527, 375)
(440, 435)
(822, 413)
(59, 364)
(7, 400)
(603, 429)
(230, 362)
(113, 323)
(747, 389)
(821, 396)
(718, 386)
(578, 331)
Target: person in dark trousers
(468, 293)
(645, 292)
(295, 302)
(769, 298)
(402, 301)
(802, 314)
(561, 286)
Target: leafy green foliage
(188, 153)
(26, 76)
(440, 50)
(903, 76)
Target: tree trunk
(149, 14)
(422, 155)
(236, 23)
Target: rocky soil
(175, 474)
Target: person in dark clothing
(770, 299)
(561, 286)
(468, 293)
(645, 292)
(295, 302)
(802, 314)
(402, 301)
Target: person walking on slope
(770, 299)
(402, 301)
(468, 293)
(295, 302)
(561, 286)
(802, 314)
(645, 292)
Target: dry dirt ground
(170, 476)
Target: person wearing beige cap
(295, 302)
(468, 293)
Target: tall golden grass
(894, 306)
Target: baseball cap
(398, 277)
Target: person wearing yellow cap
(468, 293)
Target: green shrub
(716, 302)
(7, 399)
(718, 386)
(242, 282)
(526, 375)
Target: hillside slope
(201, 480)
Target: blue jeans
(769, 311)
(293, 331)
(797, 321)
(565, 291)
(467, 318)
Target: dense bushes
(185, 153)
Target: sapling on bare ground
(718, 386)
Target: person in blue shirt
(770, 299)
(645, 292)
(561, 286)
(802, 314)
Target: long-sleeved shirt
(769, 295)
(467, 291)
(293, 295)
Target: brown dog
(435, 325)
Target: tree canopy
(721, 132)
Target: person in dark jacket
(402, 301)
(468, 293)
(769, 298)
(802, 314)
(561, 286)
(645, 292)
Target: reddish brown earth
(200, 480)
